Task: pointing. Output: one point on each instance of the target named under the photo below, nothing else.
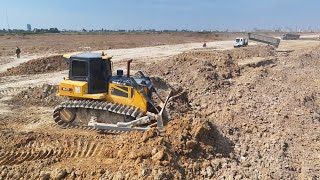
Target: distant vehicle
(264, 39)
(240, 42)
(290, 36)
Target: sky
(160, 14)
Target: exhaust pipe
(128, 67)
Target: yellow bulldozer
(115, 103)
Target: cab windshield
(79, 68)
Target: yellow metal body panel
(68, 56)
(106, 57)
(73, 88)
(117, 93)
(139, 101)
(133, 98)
(95, 96)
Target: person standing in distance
(18, 51)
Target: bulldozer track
(11, 91)
(64, 148)
(107, 106)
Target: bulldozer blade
(160, 115)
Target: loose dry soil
(71, 42)
(248, 113)
(38, 66)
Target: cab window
(79, 68)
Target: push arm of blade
(154, 90)
(114, 127)
(136, 85)
(151, 87)
(141, 74)
(159, 118)
(142, 120)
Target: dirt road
(145, 54)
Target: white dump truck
(240, 42)
(264, 39)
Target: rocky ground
(248, 113)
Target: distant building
(29, 27)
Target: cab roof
(87, 55)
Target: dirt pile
(183, 147)
(178, 103)
(235, 54)
(206, 65)
(252, 51)
(38, 66)
(263, 110)
(44, 95)
(181, 151)
(309, 58)
(198, 72)
(258, 122)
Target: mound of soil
(38, 96)
(235, 54)
(252, 51)
(181, 150)
(203, 72)
(38, 66)
(198, 72)
(178, 102)
(266, 111)
(261, 123)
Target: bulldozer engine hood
(123, 80)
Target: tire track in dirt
(11, 91)
(64, 148)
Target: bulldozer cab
(92, 68)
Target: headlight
(78, 89)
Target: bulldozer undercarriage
(104, 116)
